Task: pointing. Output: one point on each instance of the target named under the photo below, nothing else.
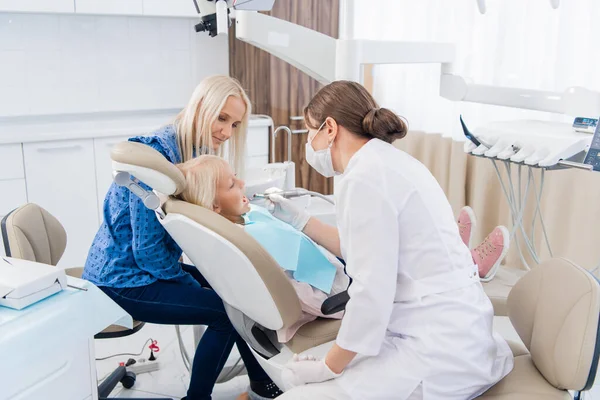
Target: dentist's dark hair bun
(384, 124)
(353, 107)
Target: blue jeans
(190, 301)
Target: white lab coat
(417, 316)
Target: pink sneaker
(466, 225)
(490, 253)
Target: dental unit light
(327, 59)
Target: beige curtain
(570, 202)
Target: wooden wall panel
(280, 90)
(251, 66)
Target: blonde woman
(136, 263)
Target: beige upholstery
(314, 333)
(558, 323)
(555, 310)
(525, 383)
(34, 234)
(276, 281)
(141, 155)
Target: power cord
(153, 346)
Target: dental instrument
(476, 141)
(298, 192)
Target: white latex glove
(307, 369)
(288, 212)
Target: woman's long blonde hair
(202, 176)
(194, 122)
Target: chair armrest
(335, 303)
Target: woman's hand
(307, 369)
(288, 212)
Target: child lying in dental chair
(314, 273)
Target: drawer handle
(59, 148)
(297, 118)
(299, 131)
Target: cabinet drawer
(12, 195)
(55, 367)
(11, 161)
(61, 178)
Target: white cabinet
(60, 178)
(170, 8)
(116, 7)
(41, 6)
(104, 178)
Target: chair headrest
(32, 233)
(149, 166)
(555, 309)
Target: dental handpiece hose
(288, 194)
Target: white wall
(60, 64)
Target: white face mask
(320, 160)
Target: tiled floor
(173, 378)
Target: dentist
(137, 264)
(418, 324)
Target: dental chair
(555, 309)
(558, 325)
(32, 233)
(258, 297)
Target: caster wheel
(128, 380)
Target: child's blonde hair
(202, 176)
